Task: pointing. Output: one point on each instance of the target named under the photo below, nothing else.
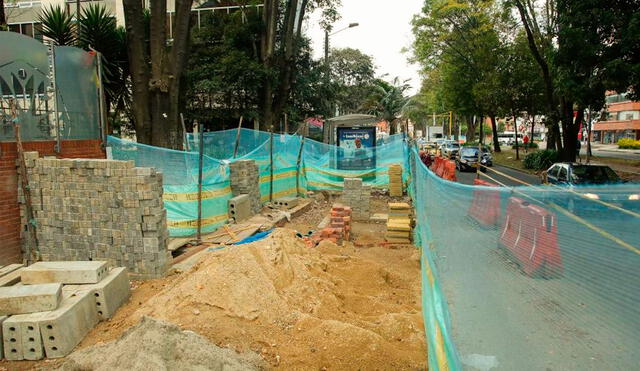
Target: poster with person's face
(357, 148)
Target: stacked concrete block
(245, 179)
(396, 186)
(88, 209)
(399, 223)
(54, 333)
(239, 208)
(358, 196)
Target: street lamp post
(326, 39)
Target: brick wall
(10, 251)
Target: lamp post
(326, 39)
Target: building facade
(22, 16)
(621, 119)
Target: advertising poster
(357, 148)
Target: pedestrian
(578, 147)
(525, 140)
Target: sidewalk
(610, 148)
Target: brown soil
(329, 307)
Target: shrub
(540, 160)
(530, 146)
(628, 143)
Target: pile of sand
(297, 307)
(156, 345)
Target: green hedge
(628, 143)
(540, 160)
(521, 145)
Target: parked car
(589, 184)
(467, 159)
(450, 149)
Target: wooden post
(589, 135)
(235, 149)
(31, 245)
(201, 158)
(271, 166)
(286, 124)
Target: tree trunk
(494, 129)
(471, 129)
(158, 83)
(3, 17)
(137, 52)
(533, 127)
(515, 128)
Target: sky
(384, 30)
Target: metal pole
(271, 166)
(450, 122)
(201, 158)
(515, 128)
(235, 149)
(101, 103)
(326, 47)
(298, 166)
(479, 151)
(55, 97)
(589, 135)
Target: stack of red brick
(340, 228)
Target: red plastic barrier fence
(530, 234)
(449, 171)
(485, 208)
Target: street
(612, 153)
(468, 177)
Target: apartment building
(620, 120)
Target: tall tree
(3, 17)
(156, 70)
(389, 100)
(353, 74)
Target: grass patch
(508, 158)
(617, 161)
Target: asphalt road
(468, 177)
(611, 154)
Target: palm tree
(58, 25)
(389, 101)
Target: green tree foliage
(352, 74)
(389, 100)
(58, 25)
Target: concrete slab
(9, 268)
(67, 272)
(29, 298)
(11, 278)
(110, 293)
(63, 328)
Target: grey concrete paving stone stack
(244, 177)
(67, 272)
(358, 197)
(29, 298)
(89, 209)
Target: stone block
(110, 293)
(240, 208)
(2, 319)
(63, 328)
(67, 272)
(21, 299)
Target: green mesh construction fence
(298, 165)
(535, 277)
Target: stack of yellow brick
(399, 223)
(395, 181)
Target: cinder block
(67, 272)
(286, 202)
(2, 319)
(63, 328)
(12, 340)
(29, 299)
(240, 208)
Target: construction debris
(399, 223)
(49, 319)
(340, 227)
(153, 344)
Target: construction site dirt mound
(154, 345)
(328, 307)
